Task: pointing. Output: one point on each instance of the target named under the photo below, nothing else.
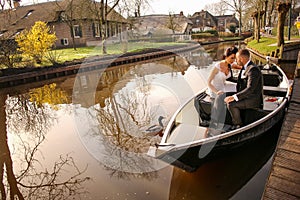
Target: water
(83, 137)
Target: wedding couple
(249, 87)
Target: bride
(222, 72)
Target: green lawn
(83, 52)
(62, 55)
(265, 45)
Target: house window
(208, 22)
(77, 31)
(62, 16)
(64, 41)
(120, 28)
(2, 32)
(96, 28)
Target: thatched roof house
(157, 25)
(66, 18)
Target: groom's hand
(229, 99)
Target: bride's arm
(212, 75)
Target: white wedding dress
(219, 81)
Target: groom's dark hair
(244, 53)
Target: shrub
(36, 42)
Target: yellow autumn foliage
(49, 94)
(36, 42)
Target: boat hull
(190, 158)
(187, 144)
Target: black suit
(249, 92)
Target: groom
(249, 89)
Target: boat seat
(184, 133)
(275, 91)
(203, 106)
(253, 114)
(271, 77)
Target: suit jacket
(250, 86)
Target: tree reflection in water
(29, 116)
(124, 107)
(121, 122)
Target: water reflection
(124, 103)
(25, 120)
(222, 178)
(84, 136)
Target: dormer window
(2, 33)
(18, 32)
(62, 16)
(28, 14)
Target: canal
(83, 136)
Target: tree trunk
(5, 158)
(2, 188)
(271, 11)
(240, 24)
(282, 9)
(256, 18)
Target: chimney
(181, 13)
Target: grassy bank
(265, 46)
(117, 48)
(69, 54)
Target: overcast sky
(164, 6)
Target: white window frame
(65, 41)
(97, 29)
(74, 32)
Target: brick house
(83, 23)
(226, 21)
(203, 21)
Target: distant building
(159, 25)
(85, 25)
(203, 21)
(225, 21)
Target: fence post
(298, 66)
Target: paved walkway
(284, 179)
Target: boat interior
(190, 119)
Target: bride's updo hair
(229, 51)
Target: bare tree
(238, 6)
(8, 47)
(172, 23)
(140, 5)
(102, 10)
(257, 6)
(8, 4)
(67, 15)
(282, 8)
(8, 52)
(219, 8)
(270, 12)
